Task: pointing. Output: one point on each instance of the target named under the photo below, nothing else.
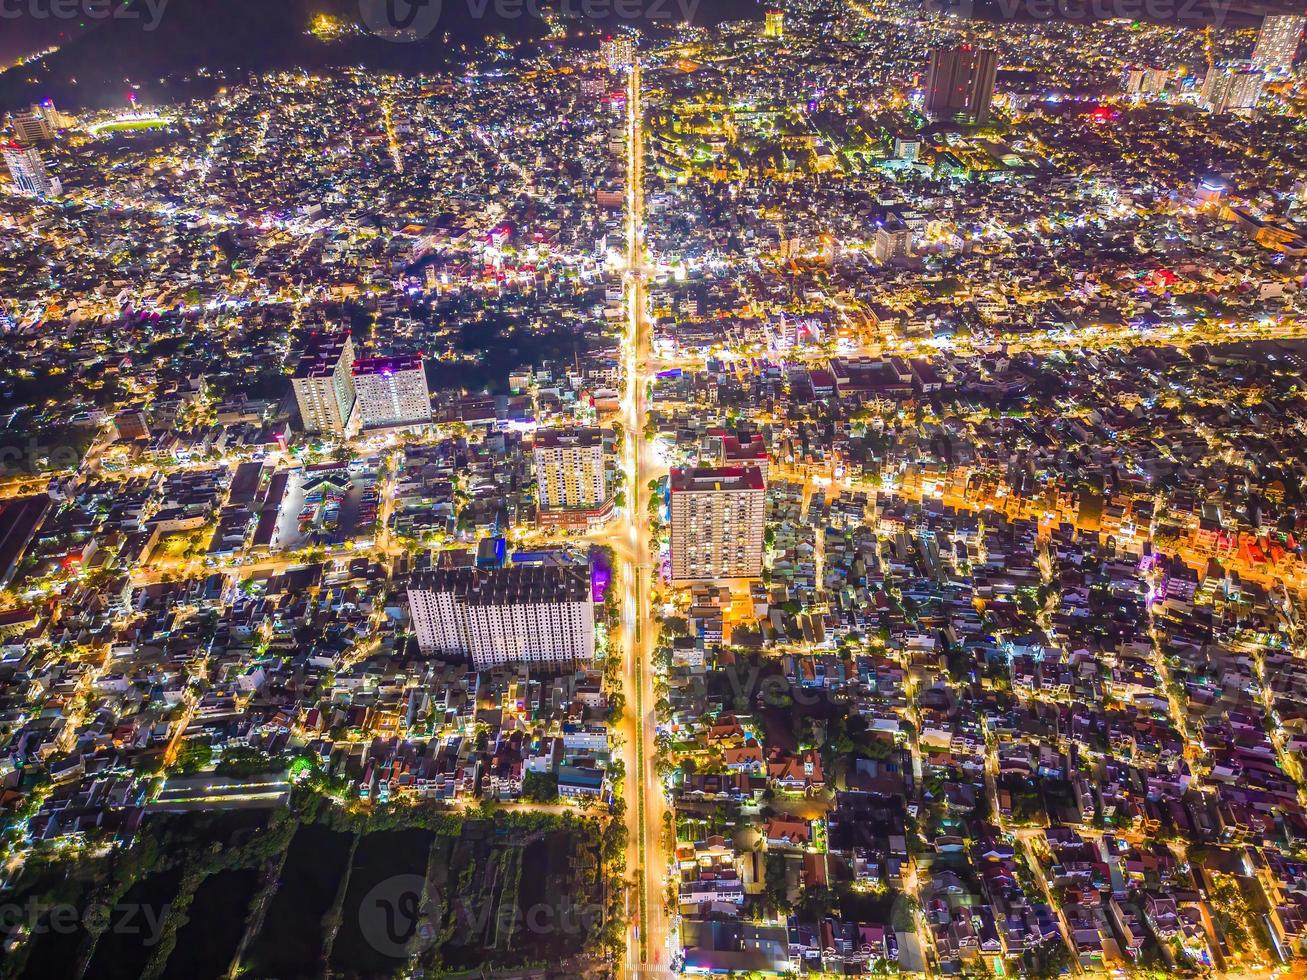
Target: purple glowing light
(601, 577)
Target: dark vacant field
(460, 895)
(290, 943)
(377, 919)
(207, 943)
(513, 902)
(127, 944)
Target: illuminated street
(806, 490)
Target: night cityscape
(614, 489)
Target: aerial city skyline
(818, 490)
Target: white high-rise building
(617, 52)
(907, 148)
(1145, 81)
(533, 614)
(324, 384)
(57, 120)
(27, 170)
(32, 127)
(1231, 90)
(1156, 80)
(391, 391)
(718, 518)
(1278, 39)
(569, 466)
(893, 241)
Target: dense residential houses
(968, 440)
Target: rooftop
(510, 585)
(387, 365)
(716, 478)
(569, 438)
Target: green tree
(540, 787)
(775, 886)
(194, 755)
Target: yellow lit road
(1093, 338)
(647, 936)
(396, 154)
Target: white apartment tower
(27, 170)
(893, 242)
(32, 127)
(617, 52)
(569, 467)
(391, 391)
(1145, 81)
(324, 384)
(1277, 40)
(718, 517)
(1226, 90)
(532, 614)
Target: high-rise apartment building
(324, 384)
(391, 391)
(1231, 90)
(32, 127)
(50, 113)
(893, 241)
(27, 170)
(569, 465)
(617, 51)
(1156, 80)
(533, 614)
(1278, 39)
(907, 148)
(1145, 81)
(774, 23)
(960, 84)
(718, 517)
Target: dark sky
(22, 35)
(26, 26)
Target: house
(796, 774)
(579, 781)
(782, 832)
